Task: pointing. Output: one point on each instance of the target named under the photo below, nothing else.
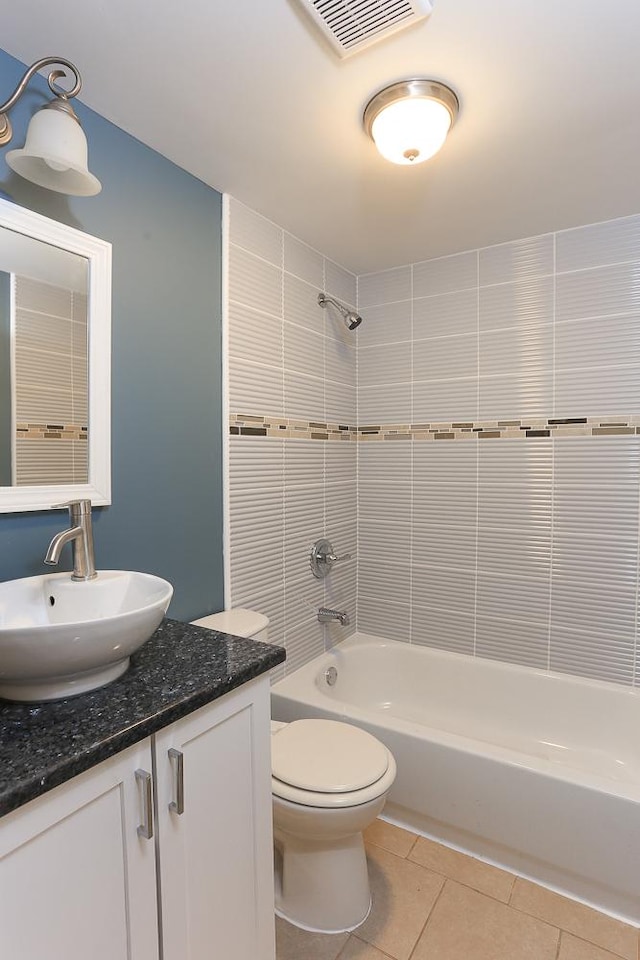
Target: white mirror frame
(98, 253)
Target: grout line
(428, 919)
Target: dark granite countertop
(181, 668)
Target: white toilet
(329, 781)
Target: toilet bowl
(329, 782)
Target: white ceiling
(250, 99)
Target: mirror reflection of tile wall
(50, 331)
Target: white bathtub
(536, 772)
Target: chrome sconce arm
(6, 131)
(55, 153)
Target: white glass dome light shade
(55, 154)
(409, 121)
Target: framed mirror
(55, 363)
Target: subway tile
(598, 292)
(512, 462)
(254, 336)
(445, 400)
(304, 396)
(303, 596)
(596, 511)
(522, 349)
(444, 587)
(448, 503)
(254, 282)
(504, 597)
(389, 363)
(257, 570)
(384, 461)
(515, 397)
(341, 403)
(389, 323)
(382, 618)
(613, 241)
(341, 464)
(340, 361)
(303, 463)
(255, 233)
(445, 629)
(393, 403)
(302, 643)
(303, 261)
(383, 538)
(445, 274)
(514, 550)
(446, 544)
(522, 304)
(503, 505)
(446, 314)
(598, 558)
(519, 260)
(384, 500)
(445, 357)
(388, 286)
(42, 333)
(340, 283)
(603, 342)
(445, 462)
(513, 641)
(603, 391)
(255, 389)
(601, 656)
(599, 462)
(594, 606)
(256, 463)
(386, 581)
(301, 305)
(303, 350)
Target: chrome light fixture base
(400, 93)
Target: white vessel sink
(59, 638)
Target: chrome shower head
(350, 317)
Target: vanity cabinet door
(216, 856)
(76, 879)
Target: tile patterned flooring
(432, 903)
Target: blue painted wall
(165, 227)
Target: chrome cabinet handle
(176, 759)
(143, 779)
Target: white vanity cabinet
(79, 879)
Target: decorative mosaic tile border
(251, 426)
(50, 431)
(256, 426)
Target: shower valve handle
(323, 558)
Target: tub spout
(326, 614)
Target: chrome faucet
(326, 614)
(80, 533)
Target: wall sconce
(55, 153)
(409, 120)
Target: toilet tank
(241, 622)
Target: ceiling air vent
(352, 25)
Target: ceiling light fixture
(55, 152)
(409, 120)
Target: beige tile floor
(432, 903)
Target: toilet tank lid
(241, 622)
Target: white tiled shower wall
(524, 550)
(289, 359)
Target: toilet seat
(324, 763)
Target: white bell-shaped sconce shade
(409, 121)
(55, 154)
